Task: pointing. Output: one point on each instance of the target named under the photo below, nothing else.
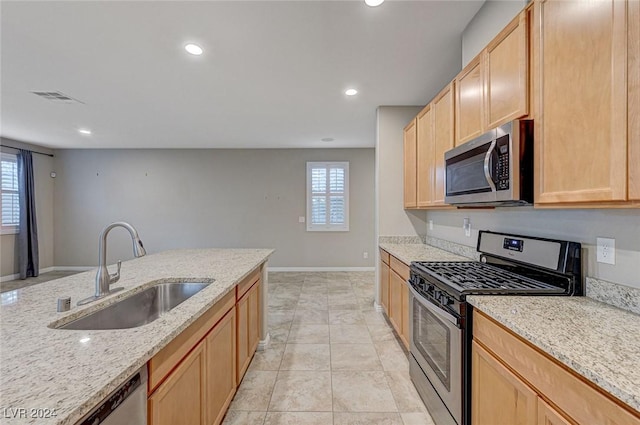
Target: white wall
(207, 198)
(486, 24)
(392, 220)
(44, 184)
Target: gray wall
(576, 225)
(391, 218)
(42, 167)
(486, 24)
(207, 198)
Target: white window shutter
(10, 203)
(327, 196)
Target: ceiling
(273, 73)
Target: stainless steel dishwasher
(127, 405)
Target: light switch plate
(301, 219)
(606, 250)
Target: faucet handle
(113, 278)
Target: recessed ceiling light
(84, 131)
(194, 49)
(374, 3)
(327, 139)
(351, 92)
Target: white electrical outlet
(606, 250)
(365, 255)
(430, 224)
(466, 225)
(301, 219)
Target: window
(10, 205)
(328, 196)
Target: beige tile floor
(30, 281)
(333, 359)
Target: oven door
(436, 345)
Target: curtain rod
(39, 153)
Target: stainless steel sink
(139, 309)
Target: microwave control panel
(502, 168)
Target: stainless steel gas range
(441, 319)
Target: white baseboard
(15, 276)
(321, 269)
(378, 307)
(263, 344)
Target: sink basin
(138, 309)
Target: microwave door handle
(487, 166)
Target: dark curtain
(28, 231)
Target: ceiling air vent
(56, 96)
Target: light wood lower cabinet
(180, 400)
(396, 275)
(499, 397)
(221, 368)
(194, 378)
(547, 415)
(516, 383)
(384, 285)
(248, 329)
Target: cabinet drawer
(399, 267)
(576, 397)
(384, 256)
(170, 356)
(248, 282)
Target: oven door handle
(433, 308)
(487, 166)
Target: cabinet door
(242, 336)
(497, 395)
(404, 294)
(547, 415)
(395, 301)
(221, 368)
(254, 318)
(384, 286)
(410, 170)
(507, 73)
(581, 101)
(443, 139)
(180, 400)
(633, 67)
(425, 163)
(469, 101)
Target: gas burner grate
(475, 277)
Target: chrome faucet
(103, 278)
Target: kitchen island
(67, 372)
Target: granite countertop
(596, 340)
(419, 252)
(71, 371)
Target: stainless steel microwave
(495, 169)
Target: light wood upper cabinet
(443, 121)
(410, 164)
(425, 154)
(633, 87)
(507, 73)
(469, 101)
(494, 87)
(498, 396)
(580, 59)
(180, 400)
